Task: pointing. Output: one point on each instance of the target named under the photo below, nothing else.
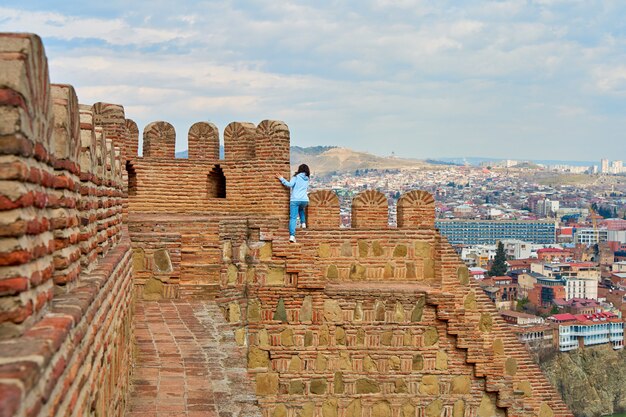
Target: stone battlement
(367, 321)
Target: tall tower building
(604, 166)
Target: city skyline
(543, 79)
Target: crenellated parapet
(64, 261)
(203, 141)
(159, 140)
(416, 209)
(323, 210)
(370, 210)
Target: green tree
(521, 304)
(498, 267)
(554, 310)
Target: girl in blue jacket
(299, 185)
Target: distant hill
(323, 160)
(326, 159)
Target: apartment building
(489, 232)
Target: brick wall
(65, 258)
(175, 205)
(371, 321)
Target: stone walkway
(187, 363)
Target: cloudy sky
(542, 79)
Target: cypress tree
(498, 267)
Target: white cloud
(113, 31)
(426, 76)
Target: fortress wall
(176, 204)
(65, 282)
(340, 324)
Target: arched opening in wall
(132, 179)
(216, 183)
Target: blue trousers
(296, 208)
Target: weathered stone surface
(389, 270)
(332, 311)
(487, 407)
(321, 363)
(363, 248)
(276, 276)
(377, 249)
(434, 409)
(296, 387)
(329, 408)
(407, 410)
(266, 383)
(162, 261)
(308, 338)
(234, 312)
(358, 312)
(318, 386)
(379, 311)
(523, 388)
(418, 362)
(458, 409)
(431, 336)
(386, 338)
(280, 314)
(357, 272)
(429, 385)
(153, 289)
(254, 310)
(463, 274)
(286, 337)
(354, 409)
(346, 249)
(280, 411)
(498, 347)
(139, 261)
(395, 362)
(258, 358)
(398, 313)
(369, 365)
(486, 322)
(470, 301)
(366, 386)
(545, 411)
(240, 336)
(231, 274)
(265, 251)
(381, 409)
(441, 361)
(340, 336)
(307, 410)
(461, 384)
(323, 336)
(263, 338)
(324, 250)
(295, 364)
(338, 385)
(400, 251)
(510, 366)
(400, 386)
(345, 363)
(332, 272)
(418, 310)
(306, 311)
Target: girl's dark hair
(304, 168)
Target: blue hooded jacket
(299, 185)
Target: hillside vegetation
(592, 382)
